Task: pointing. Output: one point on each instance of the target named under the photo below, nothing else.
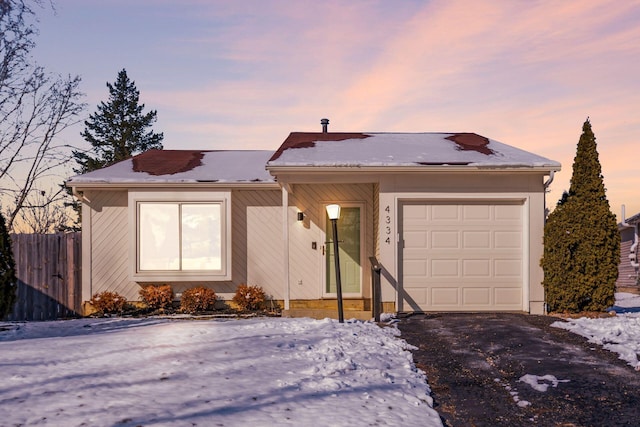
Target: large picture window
(180, 236)
(178, 240)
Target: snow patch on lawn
(620, 333)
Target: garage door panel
(415, 239)
(476, 268)
(444, 297)
(476, 239)
(511, 239)
(445, 268)
(445, 240)
(414, 212)
(508, 212)
(416, 298)
(511, 297)
(476, 296)
(462, 257)
(444, 213)
(476, 212)
(508, 268)
(415, 268)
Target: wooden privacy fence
(49, 273)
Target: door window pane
(349, 247)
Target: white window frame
(179, 197)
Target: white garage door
(461, 256)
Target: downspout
(285, 236)
(546, 185)
(633, 255)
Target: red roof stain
(308, 140)
(471, 142)
(167, 162)
(443, 163)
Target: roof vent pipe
(325, 125)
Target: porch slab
(318, 313)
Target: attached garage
(453, 221)
(462, 255)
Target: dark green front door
(349, 237)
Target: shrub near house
(198, 299)
(249, 297)
(108, 302)
(157, 297)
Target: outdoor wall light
(300, 216)
(333, 211)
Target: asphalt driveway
(492, 369)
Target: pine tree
(8, 280)
(118, 129)
(581, 240)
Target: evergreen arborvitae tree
(8, 280)
(581, 240)
(118, 130)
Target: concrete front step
(316, 313)
(357, 304)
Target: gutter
(191, 184)
(274, 170)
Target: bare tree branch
(34, 108)
(44, 212)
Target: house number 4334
(387, 225)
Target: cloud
(244, 74)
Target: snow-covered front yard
(181, 372)
(258, 372)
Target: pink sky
(230, 74)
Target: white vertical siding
(306, 264)
(110, 244)
(264, 252)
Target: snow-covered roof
(183, 166)
(304, 149)
(313, 150)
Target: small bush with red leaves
(157, 297)
(108, 302)
(198, 299)
(249, 297)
